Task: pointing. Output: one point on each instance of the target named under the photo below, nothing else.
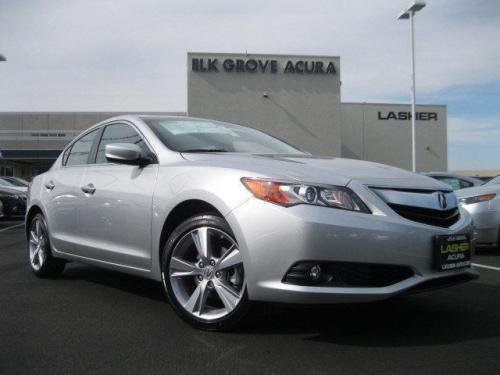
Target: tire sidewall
(223, 323)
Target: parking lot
(97, 321)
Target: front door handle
(88, 189)
(49, 185)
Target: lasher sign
(403, 115)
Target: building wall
(382, 133)
(298, 107)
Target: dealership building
(295, 98)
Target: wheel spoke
(197, 301)
(227, 295)
(200, 239)
(40, 257)
(231, 258)
(181, 268)
(33, 237)
(34, 255)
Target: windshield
(4, 182)
(15, 182)
(197, 135)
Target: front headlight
(290, 194)
(477, 198)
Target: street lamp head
(404, 15)
(2, 58)
(414, 7)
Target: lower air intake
(347, 274)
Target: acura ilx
(225, 216)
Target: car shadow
(462, 313)
(467, 312)
(117, 280)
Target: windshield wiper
(205, 150)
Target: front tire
(42, 263)
(203, 275)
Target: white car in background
(483, 203)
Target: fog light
(315, 272)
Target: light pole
(409, 12)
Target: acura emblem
(443, 203)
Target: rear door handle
(49, 185)
(88, 189)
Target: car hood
(317, 169)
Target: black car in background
(14, 202)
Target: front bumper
(273, 238)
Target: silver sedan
(225, 216)
(483, 203)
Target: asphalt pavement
(97, 321)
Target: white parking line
(14, 226)
(487, 267)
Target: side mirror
(125, 153)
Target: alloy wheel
(37, 245)
(206, 273)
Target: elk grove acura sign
(230, 65)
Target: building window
(6, 170)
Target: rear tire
(40, 258)
(203, 275)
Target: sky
(130, 55)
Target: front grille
(347, 274)
(439, 218)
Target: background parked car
(18, 181)
(1, 209)
(13, 185)
(455, 181)
(482, 178)
(13, 201)
(483, 203)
